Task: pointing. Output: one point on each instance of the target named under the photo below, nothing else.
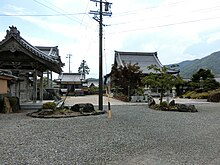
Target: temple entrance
(29, 64)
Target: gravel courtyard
(135, 135)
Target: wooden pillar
(35, 86)
(27, 88)
(51, 81)
(41, 87)
(48, 79)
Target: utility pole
(98, 16)
(69, 56)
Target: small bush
(14, 102)
(164, 105)
(121, 97)
(188, 94)
(49, 105)
(196, 95)
(215, 97)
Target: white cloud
(169, 27)
(213, 37)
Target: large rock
(6, 105)
(151, 101)
(172, 103)
(83, 108)
(186, 108)
(15, 104)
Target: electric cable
(165, 25)
(75, 19)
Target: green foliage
(215, 97)
(93, 89)
(202, 74)
(121, 96)
(203, 79)
(200, 95)
(161, 79)
(139, 91)
(49, 105)
(14, 102)
(83, 68)
(164, 105)
(125, 79)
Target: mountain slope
(212, 62)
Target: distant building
(71, 83)
(92, 82)
(142, 59)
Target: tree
(83, 68)
(161, 79)
(204, 79)
(126, 78)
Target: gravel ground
(135, 135)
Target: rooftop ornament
(12, 32)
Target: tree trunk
(161, 95)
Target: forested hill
(212, 62)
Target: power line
(74, 19)
(165, 16)
(131, 12)
(165, 25)
(40, 15)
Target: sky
(177, 30)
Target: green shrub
(14, 102)
(164, 105)
(49, 105)
(122, 97)
(188, 94)
(203, 95)
(196, 95)
(215, 97)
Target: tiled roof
(7, 73)
(51, 56)
(143, 59)
(70, 77)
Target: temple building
(72, 83)
(28, 63)
(142, 59)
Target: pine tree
(83, 68)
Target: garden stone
(15, 104)
(186, 108)
(151, 101)
(172, 103)
(75, 108)
(6, 105)
(83, 107)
